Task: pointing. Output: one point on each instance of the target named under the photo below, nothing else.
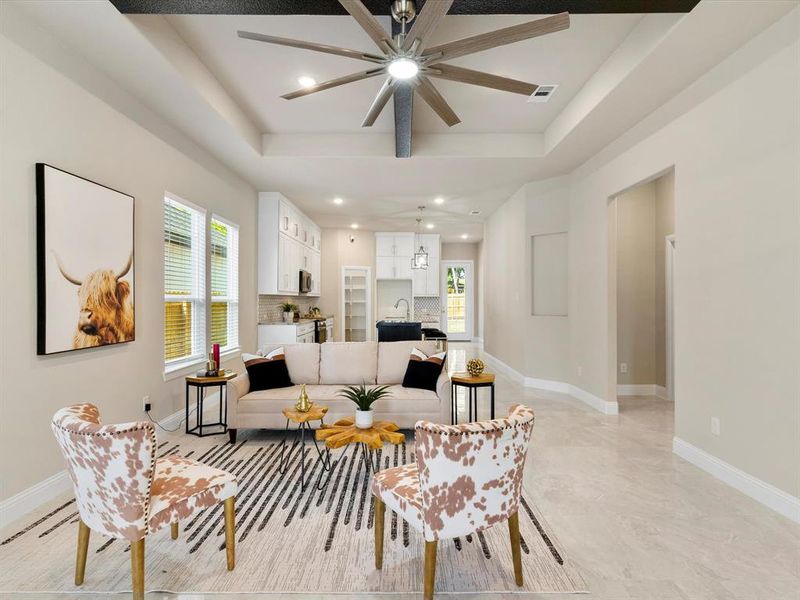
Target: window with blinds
(224, 283)
(184, 282)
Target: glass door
(457, 298)
(357, 322)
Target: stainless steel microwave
(305, 282)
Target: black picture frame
(42, 348)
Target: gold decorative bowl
(475, 367)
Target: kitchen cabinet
(426, 281)
(286, 333)
(393, 254)
(288, 242)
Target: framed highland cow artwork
(85, 268)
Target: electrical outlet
(146, 406)
(715, 425)
(580, 371)
(623, 367)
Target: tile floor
(639, 522)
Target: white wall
(635, 215)
(49, 118)
(737, 208)
(505, 289)
(737, 335)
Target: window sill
(190, 367)
(182, 369)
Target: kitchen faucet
(408, 307)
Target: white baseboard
(547, 384)
(761, 491)
(27, 500)
(604, 406)
(642, 389)
(661, 392)
(18, 505)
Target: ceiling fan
(407, 59)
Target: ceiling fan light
(306, 82)
(403, 68)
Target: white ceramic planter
(288, 317)
(363, 419)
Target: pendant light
(420, 260)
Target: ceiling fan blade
(426, 23)
(434, 99)
(369, 23)
(380, 101)
(333, 83)
(462, 75)
(271, 39)
(500, 37)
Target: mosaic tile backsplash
(427, 309)
(269, 307)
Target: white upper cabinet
(288, 242)
(426, 281)
(393, 254)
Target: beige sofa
(325, 369)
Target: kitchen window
(184, 282)
(224, 284)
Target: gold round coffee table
(345, 432)
(302, 419)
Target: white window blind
(224, 283)
(184, 282)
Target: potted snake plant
(364, 398)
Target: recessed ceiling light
(354, 225)
(464, 236)
(439, 200)
(474, 213)
(403, 68)
(337, 200)
(429, 225)
(306, 81)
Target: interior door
(457, 295)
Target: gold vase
(303, 403)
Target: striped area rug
(288, 539)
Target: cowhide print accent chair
(467, 478)
(123, 491)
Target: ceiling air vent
(474, 212)
(543, 93)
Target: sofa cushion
(400, 401)
(423, 371)
(348, 363)
(302, 360)
(267, 372)
(393, 358)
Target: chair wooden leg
(137, 569)
(230, 532)
(516, 553)
(174, 531)
(430, 569)
(232, 435)
(380, 511)
(83, 547)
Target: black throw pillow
(423, 371)
(267, 372)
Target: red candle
(215, 352)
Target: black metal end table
(316, 413)
(472, 384)
(200, 383)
